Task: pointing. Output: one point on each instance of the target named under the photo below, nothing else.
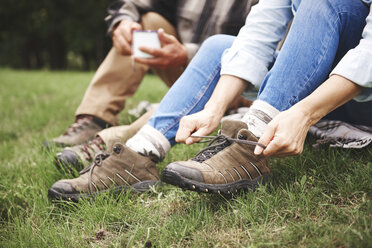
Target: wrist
(227, 89)
(309, 115)
(216, 108)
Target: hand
(201, 124)
(285, 134)
(171, 54)
(122, 36)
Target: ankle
(258, 116)
(149, 142)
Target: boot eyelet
(117, 149)
(242, 137)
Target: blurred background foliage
(53, 34)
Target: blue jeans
(321, 33)
(193, 88)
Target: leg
(193, 89)
(112, 84)
(115, 80)
(329, 29)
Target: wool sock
(149, 142)
(258, 116)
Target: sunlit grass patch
(319, 199)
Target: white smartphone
(147, 38)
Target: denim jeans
(321, 33)
(194, 87)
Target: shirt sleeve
(356, 65)
(253, 50)
(126, 10)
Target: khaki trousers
(115, 79)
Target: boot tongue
(231, 128)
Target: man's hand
(122, 36)
(285, 134)
(201, 124)
(171, 54)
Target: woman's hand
(206, 121)
(201, 124)
(285, 134)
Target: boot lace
(98, 159)
(90, 148)
(78, 125)
(217, 144)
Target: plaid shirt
(195, 20)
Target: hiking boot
(226, 166)
(122, 170)
(80, 156)
(84, 129)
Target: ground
(322, 198)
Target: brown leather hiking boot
(84, 129)
(80, 156)
(226, 166)
(122, 170)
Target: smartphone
(147, 38)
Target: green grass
(322, 198)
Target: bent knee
(218, 42)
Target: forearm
(227, 89)
(333, 93)
(206, 121)
(285, 134)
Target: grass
(322, 198)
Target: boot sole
(176, 179)
(140, 187)
(50, 144)
(70, 168)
